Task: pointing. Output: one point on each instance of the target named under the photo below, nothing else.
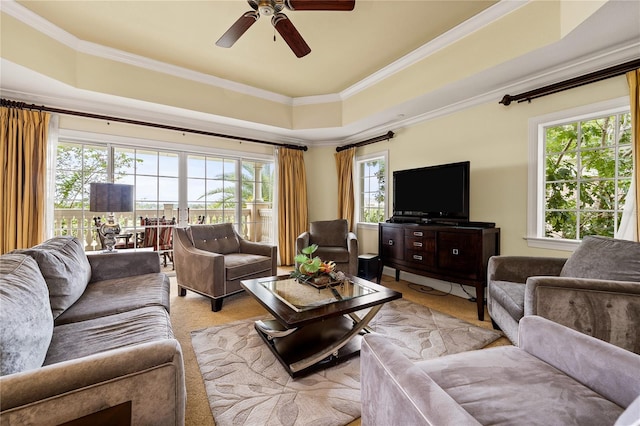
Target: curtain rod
(23, 105)
(573, 82)
(386, 136)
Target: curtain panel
(633, 78)
(23, 154)
(346, 195)
(293, 215)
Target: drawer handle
(416, 244)
(417, 234)
(455, 251)
(417, 257)
(390, 242)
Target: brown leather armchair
(211, 260)
(334, 241)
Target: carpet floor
(246, 385)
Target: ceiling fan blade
(340, 5)
(290, 34)
(237, 29)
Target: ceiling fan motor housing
(270, 7)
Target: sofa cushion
(337, 254)
(65, 268)
(604, 258)
(117, 295)
(84, 338)
(219, 238)
(505, 385)
(329, 233)
(510, 296)
(25, 314)
(241, 265)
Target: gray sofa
(87, 337)
(211, 260)
(556, 376)
(596, 291)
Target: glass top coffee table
(315, 327)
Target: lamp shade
(110, 197)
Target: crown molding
(469, 26)
(493, 13)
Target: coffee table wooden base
(318, 345)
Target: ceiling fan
(280, 21)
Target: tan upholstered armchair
(212, 260)
(334, 241)
(596, 291)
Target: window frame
(111, 142)
(536, 191)
(358, 160)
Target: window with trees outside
(371, 190)
(217, 188)
(586, 167)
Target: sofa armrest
(263, 250)
(606, 309)
(150, 374)
(518, 268)
(106, 266)
(389, 379)
(302, 241)
(352, 247)
(197, 269)
(604, 368)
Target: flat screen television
(437, 194)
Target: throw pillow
(25, 315)
(604, 258)
(65, 268)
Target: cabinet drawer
(459, 253)
(420, 259)
(420, 244)
(419, 233)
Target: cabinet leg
(397, 274)
(216, 304)
(480, 300)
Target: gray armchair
(556, 376)
(596, 291)
(334, 241)
(212, 260)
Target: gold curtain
(346, 196)
(292, 202)
(23, 138)
(633, 78)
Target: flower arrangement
(315, 270)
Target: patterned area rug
(246, 385)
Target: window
(584, 171)
(190, 187)
(371, 187)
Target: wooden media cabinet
(454, 253)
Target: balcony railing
(256, 224)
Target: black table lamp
(110, 198)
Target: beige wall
(493, 137)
